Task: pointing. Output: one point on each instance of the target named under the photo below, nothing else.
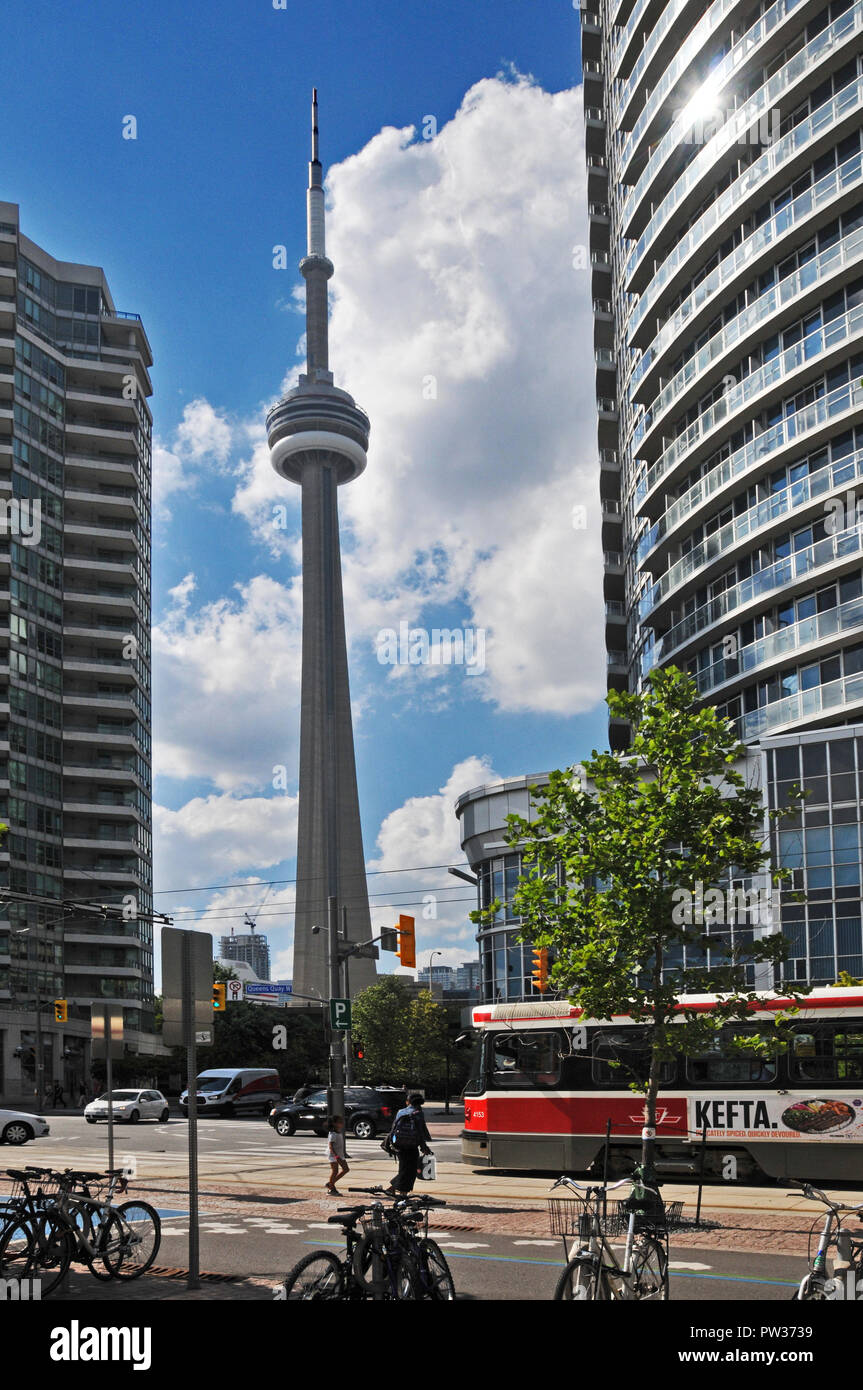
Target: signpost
(106, 1026)
(187, 989)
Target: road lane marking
(539, 1242)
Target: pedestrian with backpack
(409, 1137)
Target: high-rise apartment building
(724, 146)
(75, 768)
(251, 947)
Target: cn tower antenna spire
(315, 238)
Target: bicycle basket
(570, 1216)
(372, 1222)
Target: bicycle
(593, 1271)
(845, 1280)
(415, 1264)
(387, 1259)
(33, 1243)
(48, 1229)
(323, 1275)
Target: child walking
(336, 1154)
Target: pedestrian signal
(359, 1051)
(407, 941)
(540, 969)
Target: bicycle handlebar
(611, 1187)
(815, 1194)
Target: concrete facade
(318, 439)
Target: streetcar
(545, 1082)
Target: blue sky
(453, 263)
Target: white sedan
(17, 1128)
(129, 1106)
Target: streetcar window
(721, 1066)
(622, 1057)
(525, 1059)
(828, 1054)
(474, 1084)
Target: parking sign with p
(340, 1014)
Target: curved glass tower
(724, 147)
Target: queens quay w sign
(268, 990)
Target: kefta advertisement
(777, 1117)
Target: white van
(235, 1091)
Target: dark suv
(367, 1112)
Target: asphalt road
(485, 1266)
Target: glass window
(620, 1057)
(829, 1053)
(525, 1059)
(721, 1066)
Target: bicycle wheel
(436, 1279)
(649, 1269)
(583, 1280)
(53, 1251)
(140, 1238)
(17, 1246)
(317, 1276)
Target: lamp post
(432, 955)
(40, 1054)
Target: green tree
(380, 1024)
(426, 1036)
(617, 862)
(403, 1038)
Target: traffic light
(219, 997)
(61, 1011)
(359, 1051)
(389, 939)
(407, 941)
(540, 969)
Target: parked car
(235, 1091)
(368, 1112)
(18, 1128)
(129, 1107)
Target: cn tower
(318, 438)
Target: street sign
(269, 992)
(106, 1023)
(204, 1036)
(235, 991)
(340, 1014)
(201, 947)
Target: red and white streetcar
(543, 1089)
